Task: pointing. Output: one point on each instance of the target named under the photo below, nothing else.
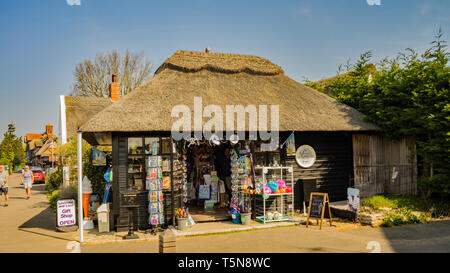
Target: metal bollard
(167, 242)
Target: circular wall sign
(305, 156)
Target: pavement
(29, 226)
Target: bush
(95, 174)
(54, 181)
(439, 207)
(437, 184)
(393, 219)
(69, 192)
(53, 198)
(403, 209)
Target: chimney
(49, 129)
(114, 89)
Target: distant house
(39, 148)
(33, 142)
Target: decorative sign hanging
(290, 145)
(305, 156)
(316, 210)
(98, 157)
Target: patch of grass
(407, 209)
(393, 219)
(378, 201)
(395, 202)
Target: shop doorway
(209, 181)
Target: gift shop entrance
(219, 180)
(208, 172)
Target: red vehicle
(38, 176)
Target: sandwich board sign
(66, 213)
(316, 210)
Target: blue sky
(42, 41)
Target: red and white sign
(66, 213)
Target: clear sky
(42, 41)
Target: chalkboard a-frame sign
(316, 210)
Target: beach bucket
(246, 218)
(182, 223)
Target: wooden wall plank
(382, 166)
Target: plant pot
(182, 223)
(246, 218)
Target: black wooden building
(317, 120)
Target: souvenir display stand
(275, 198)
(154, 184)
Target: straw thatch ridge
(188, 61)
(149, 107)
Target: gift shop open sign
(317, 205)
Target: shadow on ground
(41, 220)
(431, 237)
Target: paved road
(432, 237)
(29, 226)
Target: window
(136, 167)
(139, 151)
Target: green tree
(406, 96)
(12, 152)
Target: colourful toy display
(276, 203)
(273, 187)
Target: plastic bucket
(236, 218)
(182, 223)
(246, 218)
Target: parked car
(38, 175)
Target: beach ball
(281, 184)
(273, 185)
(266, 190)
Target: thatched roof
(327, 81)
(224, 79)
(80, 109)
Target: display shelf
(280, 202)
(279, 194)
(284, 218)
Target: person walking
(27, 179)
(4, 183)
